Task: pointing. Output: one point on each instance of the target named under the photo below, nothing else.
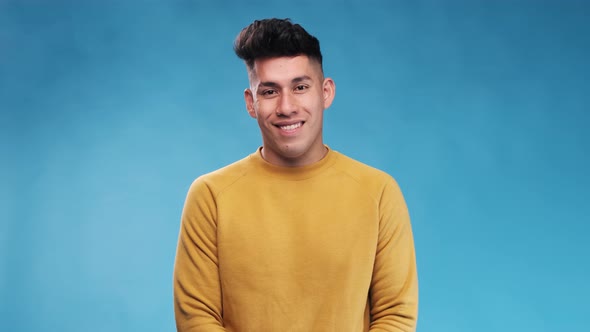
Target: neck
(284, 161)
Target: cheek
(265, 109)
(263, 122)
(315, 101)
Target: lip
(287, 123)
(289, 132)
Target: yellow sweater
(325, 247)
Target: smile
(291, 126)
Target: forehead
(285, 68)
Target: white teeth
(291, 127)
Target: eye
(268, 93)
(301, 87)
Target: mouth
(291, 127)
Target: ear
(329, 91)
(249, 98)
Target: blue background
(109, 109)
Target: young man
(296, 236)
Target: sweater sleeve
(197, 290)
(394, 286)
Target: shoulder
(371, 179)
(360, 171)
(217, 181)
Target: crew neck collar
(295, 172)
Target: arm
(197, 290)
(394, 287)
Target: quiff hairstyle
(271, 38)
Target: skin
(287, 97)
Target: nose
(287, 105)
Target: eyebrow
(295, 80)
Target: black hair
(274, 37)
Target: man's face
(288, 96)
